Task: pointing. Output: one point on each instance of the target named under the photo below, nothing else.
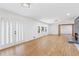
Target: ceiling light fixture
(27, 5)
(68, 14)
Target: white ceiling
(46, 12)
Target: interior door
(11, 32)
(2, 33)
(19, 32)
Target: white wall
(30, 25)
(53, 29)
(31, 29)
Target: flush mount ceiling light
(26, 5)
(68, 14)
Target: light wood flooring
(50, 45)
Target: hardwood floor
(51, 45)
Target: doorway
(66, 29)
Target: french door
(11, 32)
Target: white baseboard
(13, 44)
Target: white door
(2, 33)
(11, 32)
(19, 32)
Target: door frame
(59, 28)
